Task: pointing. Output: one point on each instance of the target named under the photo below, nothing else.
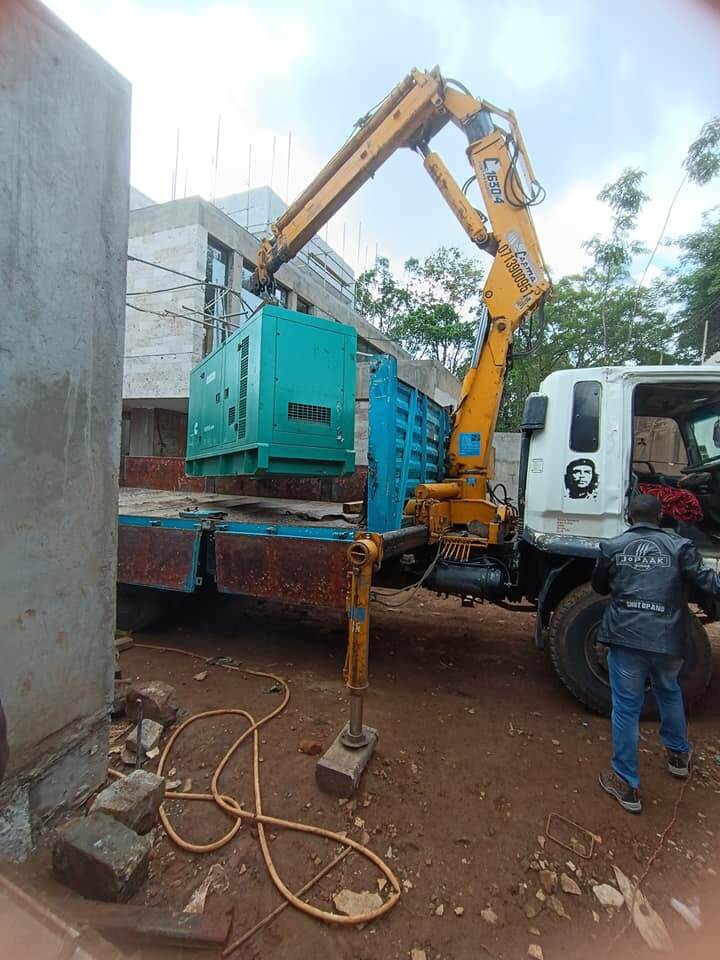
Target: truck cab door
(578, 467)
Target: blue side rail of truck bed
(407, 433)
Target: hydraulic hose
(234, 809)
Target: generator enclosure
(277, 397)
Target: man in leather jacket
(646, 571)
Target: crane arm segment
(517, 281)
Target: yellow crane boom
(517, 282)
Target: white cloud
(189, 64)
(187, 68)
(564, 222)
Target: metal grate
(231, 416)
(309, 413)
(242, 399)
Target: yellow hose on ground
(234, 809)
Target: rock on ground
(555, 904)
(568, 885)
(608, 896)
(133, 801)
(100, 858)
(548, 880)
(149, 737)
(356, 904)
(535, 951)
(489, 916)
(159, 701)
(649, 923)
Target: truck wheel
(580, 661)
(139, 608)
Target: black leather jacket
(646, 571)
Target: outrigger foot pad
(340, 768)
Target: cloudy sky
(596, 86)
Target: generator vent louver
(309, 413)
(242, 399)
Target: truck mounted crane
(588, 436)
(543, 549)
(516, 286)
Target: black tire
(139, 608)
(579, 660)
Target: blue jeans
(629, 670)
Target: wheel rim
(596, 656)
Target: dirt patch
(479, 743)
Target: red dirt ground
(478, 744)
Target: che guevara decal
(581, 479)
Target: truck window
(658, 446)
(585, 421)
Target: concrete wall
(160, 350)
(63, 236)
(507, 461)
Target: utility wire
(181, 286)
(650, 260)
(180, 316)
(187, 276)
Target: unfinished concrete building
(63, 209)
(171, 330)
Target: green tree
(587, 319)
(613, 255)
(433, 312)
(380, 298)
(694, 286)
(702, 162)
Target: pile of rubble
(105, 855)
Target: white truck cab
(609, 429)
(590, 438)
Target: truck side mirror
(535, 412)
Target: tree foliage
(597, 317)
(432, 312)
(694, 286)
(703, 157)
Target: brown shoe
(627, 796)
(678, 764)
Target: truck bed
(167, 504)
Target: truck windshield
(704, 429)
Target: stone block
(149, 737)
(134, 800)
(339, 770)
(159, 701)
(101, 858)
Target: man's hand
(694, 570)
(600, 579)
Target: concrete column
(142, 432)
(65, 116)
(292, 300)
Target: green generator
(277, 397)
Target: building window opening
(217, 272)
(249, 299)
